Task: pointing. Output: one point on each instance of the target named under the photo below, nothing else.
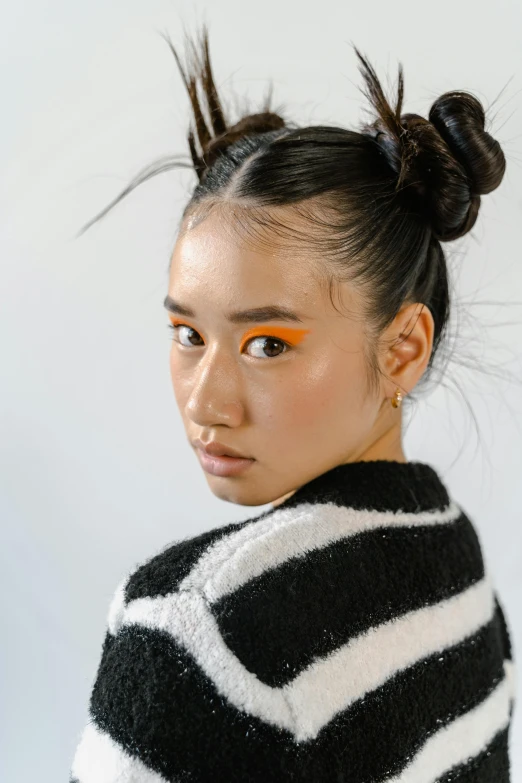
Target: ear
(408, 344)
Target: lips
(216, 449)
(224, 467)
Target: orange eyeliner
(289, 335)
(286, 333)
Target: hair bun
(460, 119)
(458, 161)
(214, 133)
(443, 164)
(262, 122)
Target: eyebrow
(252, 315)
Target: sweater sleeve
(132, 685)
(156, 715)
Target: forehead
(225, 259)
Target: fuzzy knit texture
(351, 634)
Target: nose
(216, 392)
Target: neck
(388, 447)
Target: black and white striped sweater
(350, 634)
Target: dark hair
(378, 201)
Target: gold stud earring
(397, 398)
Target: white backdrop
(97, 474)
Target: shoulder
(168, 666)
(185, 564)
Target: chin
(239, 495)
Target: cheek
(321, 396)
(181, 388)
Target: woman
(351, 631)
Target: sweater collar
(382, 485)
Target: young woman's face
(290, 394)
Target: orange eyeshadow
(292, 336)
(286, 333)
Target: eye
(176, 328)
(270, 341)
(259, 339)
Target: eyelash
(257, 337)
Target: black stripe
(332, 594)
(506, 639)
(380, 485)
(153, 699)
(163, 573)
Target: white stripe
(462, 739)
(307, 703)
(99, 759)
(264, 544)
(117, 608)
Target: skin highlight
(298, 411)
